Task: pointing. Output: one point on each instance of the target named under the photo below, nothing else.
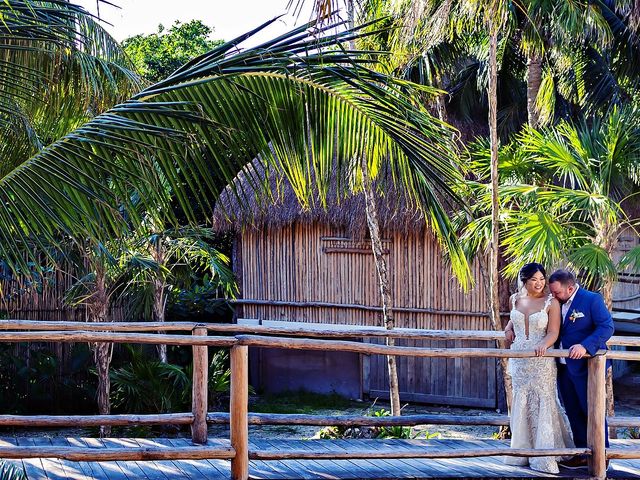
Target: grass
(299, 402)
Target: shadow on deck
(294, 469)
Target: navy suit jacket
(591, 330)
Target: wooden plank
(53, 466)
(327, 468)
(299, 468)
(92, 469)
(212, 466)
(33, 467)
(165, 466)
(131, 468)
(74, 470)
(196, 468)
(188, 470)
(111, 469)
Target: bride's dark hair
(529, 270)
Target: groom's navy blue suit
(588, 323)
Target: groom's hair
(565, 277)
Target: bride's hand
(540, 349)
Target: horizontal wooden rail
(310, 331)
(356, 306)
(630, 453)
(422, 452)
(117, 337)
(623, 421)
(94, 420)
(98, 454)
(222, 418)
(358, 347)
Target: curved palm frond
(297, 98)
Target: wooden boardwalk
(482, 467)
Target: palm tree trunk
(494, 252)
(383, 279)
(98, 311)
(158, 312)
(607, 239)
(159, 294)
(534, 80)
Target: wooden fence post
(596, 399)
(199, 392)
(239, 423)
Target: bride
(537, 418)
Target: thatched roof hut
(315, 265)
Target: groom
(586, 327)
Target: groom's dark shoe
(579, 461)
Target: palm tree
(564, 196)
(175, 253)
(295, 100)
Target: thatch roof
(249, 202)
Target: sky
(228, 18)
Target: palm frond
(293, 98)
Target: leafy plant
(146, 385)
(9, 471)
(393, 431)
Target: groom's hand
(577, 351)
(509, 335)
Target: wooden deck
(482, 467)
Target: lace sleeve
(547, 303)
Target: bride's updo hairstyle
(526, 272)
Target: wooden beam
(307, 331)
(357, 306)
(596, 401)
(94, 420)
(630, 453)
(410, 452)
(238, 408)
(199, 389)
(81, 336)
(624, 421)
(78, 454)
(358, 347)
(356, 420)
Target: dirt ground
(627, 404)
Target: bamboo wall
(301, 263)
(19, 300)
(626, 292)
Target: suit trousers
(573, 392)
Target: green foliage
(37, 383)
(203, 302)
(159, 54)
(146, 385)
(9, 471)
(149, 386)
(393, 431)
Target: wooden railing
(239, 338)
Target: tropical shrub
(9, 471)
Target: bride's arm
(553, 329)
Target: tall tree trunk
(159, 295)
(494, 250)
(98, 311)
(607, 239)
(383, 280)
(534, 80)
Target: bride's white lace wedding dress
(537, 418)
